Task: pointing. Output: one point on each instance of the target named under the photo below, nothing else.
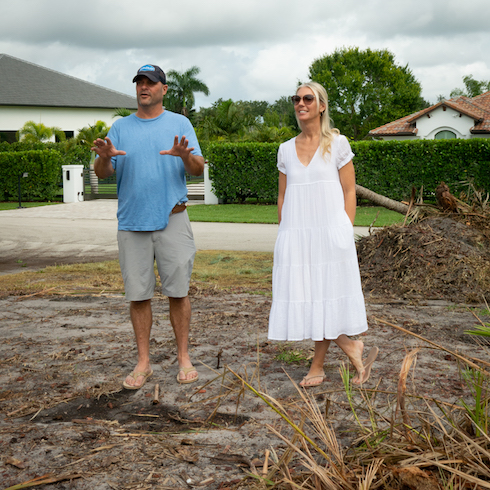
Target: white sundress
(316, 285)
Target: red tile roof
(477, 108)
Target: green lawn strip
(4, 206)
(252, 213)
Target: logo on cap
(147, 68)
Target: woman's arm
(348, 182)
(282, 192)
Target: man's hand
(180, 149)
(105, 149)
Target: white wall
(444, 120)
(67, 119)
(441, 120)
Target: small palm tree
(225, 121)
(86, 137)
(181, 89)
(32, 132)
(122, 112)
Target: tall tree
(181, 89)
(472, 87)
(366, 89)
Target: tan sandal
(186, 371)
(135, 376)
(320, 377)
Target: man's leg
(180, 318)
(141, 317)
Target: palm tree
(122, 112)
(181, 88)
(86, 137)
(32, 132)
(226, 121)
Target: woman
(316, 283)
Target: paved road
(32, 238)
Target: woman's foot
(311, 380)
(368, 364)
(355, 357)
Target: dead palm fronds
(433, 445)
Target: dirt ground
(64, 413)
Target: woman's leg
(316, 369)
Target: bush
(391, 168)
(44, 174)
(243, 170)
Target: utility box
(209, 195)
(73, 184)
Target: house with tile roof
(29, 92)
(459, 117)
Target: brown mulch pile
(444, 257)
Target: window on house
(444, 135)
(8, 136)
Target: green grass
(15, 204)
(256, 213)
(252, 213)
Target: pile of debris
(444, 255)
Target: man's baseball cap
(153, 72)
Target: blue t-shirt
(149, 185)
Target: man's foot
(314, 380)
(136, 380)
(187, 375)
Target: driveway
(32, 238)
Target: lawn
(257, 213)
(252, 213)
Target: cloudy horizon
(247, 51)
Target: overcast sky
(246, 49)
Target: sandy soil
(65, 414)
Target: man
(152, 220)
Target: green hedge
(44, 174)
(243, 170)
(390, 168)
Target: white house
(29, 92)
(460, 117)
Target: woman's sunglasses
(307, 99)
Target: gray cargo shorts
(173, 249)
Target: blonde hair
(327, 132)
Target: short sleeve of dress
(281, 165)
(344, 152)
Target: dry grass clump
(425, 444)
(234, 271)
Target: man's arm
(105, 150)
(193, 164)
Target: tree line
(366, 89)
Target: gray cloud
(250, 49)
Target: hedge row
(248, 170)
(243, 170)
(43, 169)
(390, 168)
(42, 162)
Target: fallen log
(380, 200)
